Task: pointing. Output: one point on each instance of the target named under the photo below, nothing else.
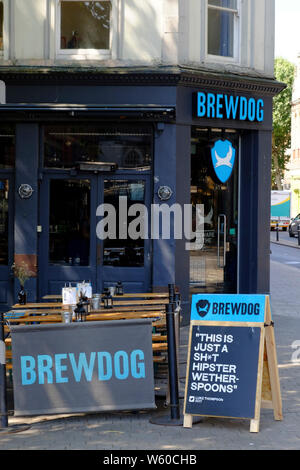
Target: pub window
(4, 29)
(7, 147)
(85, 27)
(128, 146)
(222, 28)
(1, 27)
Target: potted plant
(23, 273)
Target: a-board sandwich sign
(232, 365)
(83, 367)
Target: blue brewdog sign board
(83, 367)
(232, 365)
(228, 307)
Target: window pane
(224, 3)
(4, 222)
(1, 26)
(69, 228)
(7, 147)
(120, 252)
(127, 146)
(207, 270)
(220, 33)
(85, 25)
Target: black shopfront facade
(72, 140)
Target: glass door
(6, 243)
(67, 244)
(7, 165)
(214, 185)
(125, 254)
(71, 247)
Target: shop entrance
(73, 203)
(215, 185)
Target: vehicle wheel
(291, 234)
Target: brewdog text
(229, 308)
(222, 106)
(59, 368)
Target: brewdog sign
(83, 367)
(237, 308)
(232, 366)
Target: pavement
(123, 431)
(284, 239)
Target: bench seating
(128, 306)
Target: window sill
(83, 55)
(218, 59)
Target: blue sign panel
(223, 106)
(228, 308)
(223, 158)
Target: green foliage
(281, 140)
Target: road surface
(285, 280)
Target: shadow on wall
(143, 33)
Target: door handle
(224, 242)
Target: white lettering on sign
(208, 374)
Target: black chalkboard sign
(222, 371)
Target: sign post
(232, 363)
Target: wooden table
(37, 305)
(146, 295)
(159, 342)
(117, 303)
(50, 317)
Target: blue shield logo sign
(223, 158)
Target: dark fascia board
(33, 111)
(143, 76)
(89, 107)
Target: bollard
(172, 360)
(3, 396)
(277, 232)
(177, 311)
(171, 293)
(174, 418)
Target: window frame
(236, 34)
(88, 54)
(4, 54)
